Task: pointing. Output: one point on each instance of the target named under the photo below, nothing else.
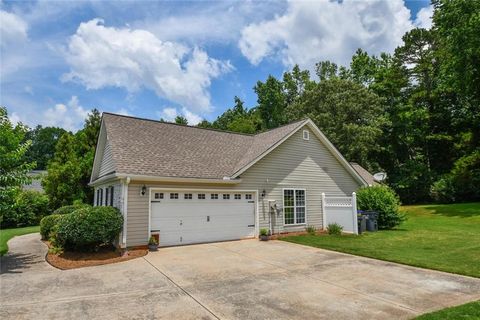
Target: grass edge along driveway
(465, 311)
(439, 237)
(7, 234)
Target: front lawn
(466, 311)
(441, 237)
(7, 234)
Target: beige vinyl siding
(106, 166)
(296, 163)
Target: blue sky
(159, 59)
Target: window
(187, 196)
(294, 206)
(214, 196)
(248, 197)
(158, 195)
(226, 196)
(173, 195)
(201, 196)
(111, 195)
(238, 196)
(306, 135)
(107, 190)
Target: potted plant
(152, 244)
(264, 234)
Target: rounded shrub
(88, 228)
(47, 224)
(71, 208)
(383, 200)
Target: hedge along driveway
(440, 237)
(7, 234)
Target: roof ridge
(210, 129)
(180, 125)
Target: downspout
(125, 210)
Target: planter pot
(263, 238)
(152, 247)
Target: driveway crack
(183, 290)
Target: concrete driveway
(230, 280)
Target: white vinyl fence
(341, 210)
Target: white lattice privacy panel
(341, 210)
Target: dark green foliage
(28, 208)
(47, 224)
(71, 208)
(334, 229)
(181, 120)
(13, 167)
(44, 140)
(462, 183)
(384, 201)
(89, 228)
(70, 169)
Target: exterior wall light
(263, 193)
(144, 190)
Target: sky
(158, 60)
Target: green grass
(441, 237)
(7, 234)
(468, 311)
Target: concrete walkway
(231, 280)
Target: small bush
(47, 224)
(334, 229)
(71, 208)
(264, 232)
(461, 183)
(311, 230)
(383, 200)
(88, 228)
(27, 208)
(152, 241)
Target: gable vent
(306, 135)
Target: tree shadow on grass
(462, 210)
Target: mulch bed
(105, 255)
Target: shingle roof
(154, 148)
(362, 172)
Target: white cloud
(13, 29)
(123, 112)
(102, 56)
(309, 32)
(192, 118)
(169, 114)
(70, 116)
(424, 17)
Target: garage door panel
(186, 221)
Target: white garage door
(195, 217)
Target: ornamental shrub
(71, 208)
(47, 224)
(87, 228)
(383, 200)
(334, 229)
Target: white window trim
(306, 135)
(295, 206)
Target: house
(190, 185)
(36, 183)
(366, 176)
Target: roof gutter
(225, 180)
